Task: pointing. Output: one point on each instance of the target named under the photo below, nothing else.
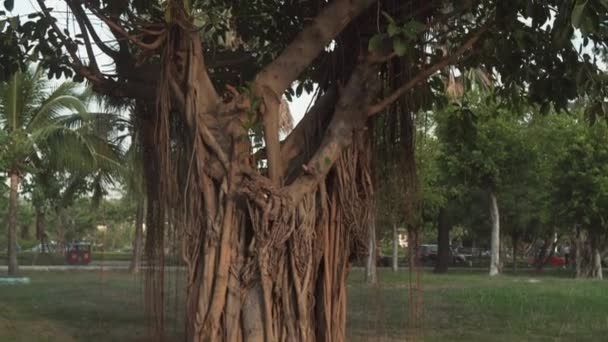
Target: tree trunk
(514, 240)
(578, 253)
(276, 273)
(267, 253)
(495, 242)
(395, 249)
(41, 229)
(371, 273)
(597, 263)
(547, 251)
(63, 221)
(139, 236)
(588, 255)
(443, 242)
(13, 266)
(25, 232)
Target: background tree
(484, 146)
(581, 197)
(32, 117)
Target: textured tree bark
(371, 274)
(138, 239)
(265, 262)
(13, 266)
(395, 249)
(495, 239)
(443, 242)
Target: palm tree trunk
(139, 233)
(13, 266)
(495, 242)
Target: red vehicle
(78, 253)
(556, 260)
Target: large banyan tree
(267, 231)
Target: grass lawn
(461, 306)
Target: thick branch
(93, 75)
(120, 30)
(424, 74)
(85, 37)
(271, 105)
(81, 15)
(308, 129)
(350, 116)
(284, 70)
(272, 81)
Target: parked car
(384, 261)
(50, 247)
(556, 260)
(78, 253)
(427, 254)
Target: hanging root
(258, 266)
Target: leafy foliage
(580, 193)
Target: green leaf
(393, 30)
(415, 26)
(9, 4)
(14, 22)
(400, 46)
(590, 23)
(375, 43)
(577, 12)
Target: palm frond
(22, 93)
(55, 108)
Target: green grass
(470, 306)
(461, 306)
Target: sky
(24, 7)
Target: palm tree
(39, 122)
(122, 131)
